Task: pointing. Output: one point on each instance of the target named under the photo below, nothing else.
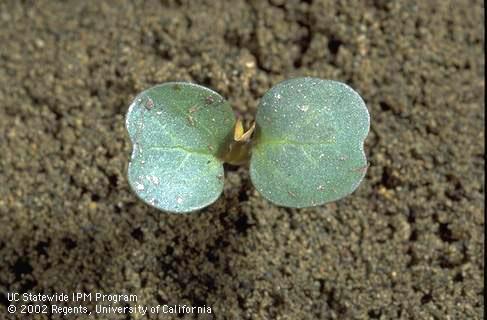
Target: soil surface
(408, 244)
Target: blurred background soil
(408, 244)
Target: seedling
(305, 148)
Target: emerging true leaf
(177, 130)
(240, 134)
(309, 142)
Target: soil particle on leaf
(408, 244)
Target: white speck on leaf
(303, 108)
(179, 200)
(139, 186)
(149, 104)
(153, 179)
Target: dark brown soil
(407, 245)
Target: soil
(408, 244)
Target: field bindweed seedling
(307, 148)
